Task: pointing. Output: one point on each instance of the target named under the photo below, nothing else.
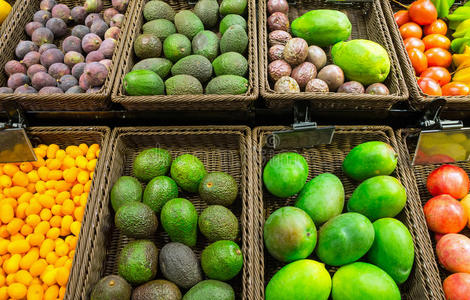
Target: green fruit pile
(136, 210)
(366, 232)
(191, 52)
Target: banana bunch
(443, 7)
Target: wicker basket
(418, 99)
(66, 136)
(219, 148)
(367, 23)
(15, 10)
(15, 32)
(407, 139)
(185, 102)
(329, 158)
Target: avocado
(136, 220)
(188, 171)
(111, 287)
(188, 23)
(210, 290)
(147, 46)
(183, 85)
(126, 189)
(222, 260)
(179, 219)
(161, 66)
(206, 43)
(157, 289)
(180, 265)
(230, 20)
(159, 191)
(137, 262)
(234, 39)
(151, 163)
(227, 85)
(218, 188)
(176, 46)
(143, 82)
(208, 12)
(154, 10)
(237, 7)
(230, 63)
(218, 223)
(161, 28)
(197, 66)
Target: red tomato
(453, 252)
(418, 60)
(429, 86)
(457, 286)
(401, 17)
(444, 214)
(411, 29)
(436, 41)
(437, 27)
(414, 43)
(423, 12)
(438, 57)
(455, 89)
(448, 179)
(439, 74)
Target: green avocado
(161, 28)
(154, 10)
(230, 63)
(147, 46)
(125, 190)
(188, 23)
(237, 7)
(179, 219)
(227, 85)
(137, 262)
(230, 20)
(208, 12)
(322, 27)
(183, 85)
(161, 66)
(157, 289)
(136, 220)
(142, 83)
(159, 191)
(206, 43)
(176, 46)
(378, 197)
(234, 39)
(111, 287)
(151, 163)
(222, 260)
(210, 290)
(370, 159)
(197, 66)
(218, 223)
(393, 249)
(218, 188)
(188, 171)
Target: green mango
(344, 239)
(378, 197)
(370, 159)
(363, 281)
(322, 27)
(322, 198)
(392, 249)
(302, 279)
(289, 234)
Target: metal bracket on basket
(441, 141)
(304, 133)
(15, 145)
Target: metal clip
(432, 117)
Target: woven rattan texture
(367, 23)
(186, 102)
(329, 158)
(15, 32)
(15, 7)
(66, 136)
(408, 139)
(220, 149)
(417, 98)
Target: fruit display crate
(418, 99)
(186, 102)
(423, 282)
(407, 139)
(15, 32)
(66, 136)
(224, 148)
(367, 23)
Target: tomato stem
(401, 4)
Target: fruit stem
(401, 4)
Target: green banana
(443, 7)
